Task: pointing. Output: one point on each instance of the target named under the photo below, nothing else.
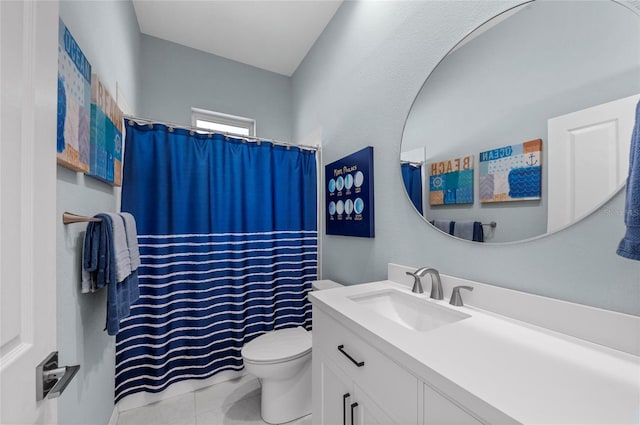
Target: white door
(28, 92)
(588, 158)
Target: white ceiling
(268, 34)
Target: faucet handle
(456, 298)
(417, 285)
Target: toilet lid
(278, 346)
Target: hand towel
(444, 225)
(478, 232)
(132, 240)
(88, 281)
(120, 247)
(99, 260)
(463, 230)
(133, 288)
(629, 246)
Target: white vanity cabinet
(355, 384)
(379, 390)
(370, 342)
(342, 401)
(439, 410)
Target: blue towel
(630, 245)
(478, 232)
(99, 260)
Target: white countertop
(530, 374)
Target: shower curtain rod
(141, 120)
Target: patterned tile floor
(234, 402)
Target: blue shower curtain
(411, 175)
(228, 243)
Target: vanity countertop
(528, 374)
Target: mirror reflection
(526, 123)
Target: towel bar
(69, 218)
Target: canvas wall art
(451, 181)
(349, 208)
(74, 103)
(106, 135)
(511, 173)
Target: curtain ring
(209, 135)
(191, 133)
(258, 143)
(288, 147)
(150, 125)
(131, 122)
(170, 129)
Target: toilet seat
(278, 346)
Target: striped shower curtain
(228, 244)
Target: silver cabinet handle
(354, 361)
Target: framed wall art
(349, 205)
(511, 173)
(451, 181)
(74, 103)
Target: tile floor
(234, 402)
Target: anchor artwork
(511, 173)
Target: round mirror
(524, 127)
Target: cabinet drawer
(389, 385)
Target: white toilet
(281, 359)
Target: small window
(224, 123)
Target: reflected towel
(630, 245)
(444, 225)
(469, 230)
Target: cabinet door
(367, 412)
(439, 410)
(332, 401)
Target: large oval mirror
(524, 127)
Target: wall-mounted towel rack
(69, 218)
(492, 224)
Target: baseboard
(113, 420)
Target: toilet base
(288, 399)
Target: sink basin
(406, 310)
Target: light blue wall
(176, 78)
(107, 32)
(502, 87)
(356, 86)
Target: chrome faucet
(436, 284)
(417, 284)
